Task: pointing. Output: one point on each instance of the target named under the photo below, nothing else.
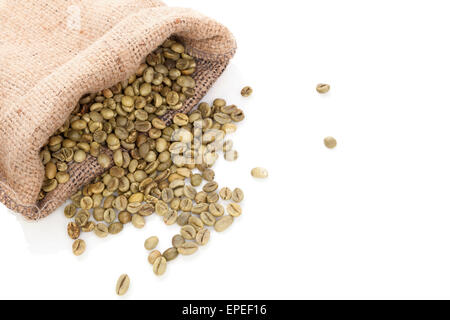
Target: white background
(370, 219)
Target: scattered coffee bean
(323, 88)
(237, 195)
(78, 247)
(330, 142)
(123, 283)
(151, 243)
(234, 210)
(246, 91)
(73, 230)
(223, 223)
(260, 173)
(159, 266)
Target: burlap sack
(53, 52)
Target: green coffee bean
(225, 193)
(246, 91)
(223, 223)
(170, 254)
(323, 88)
(188, 248)
(177, 241)
(202, 237)
(78, 247)
(138, 221)
(101, 230)
(259, 173)
(153, 256)
(73, 230)
(160, 266)
(234, 210)
(330, 142)
(115, 228)
(237, 195)
(188, 232)
(151, 243)
(123, 283)
(70, 211)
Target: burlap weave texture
(49, 58)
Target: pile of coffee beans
(151, 167)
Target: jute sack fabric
(53, 52)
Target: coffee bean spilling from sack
(150, 167)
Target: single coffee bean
(196, 222)
(147, 210)
(177, 241)
(167, 195)
(237, 115)
(82, 218)
(50, 170)
(223, 223)
(186, 205)
(225, 193)
(78, 247)
(115, 228)
(171, 217)
(153, 256)
(161, 208)
(234, 210)
(323, 88)
(86, 203)
(196, 180)
(104, 160)
(99, 214)
(260, 173)
(181, 119)
(212, 197)
(62, 177)
(109, 215)
(138, 221)
(101, 230)
(134, 207)
(237, 195)
(199, 208)
(330, 142)
(216, 209)
(79, 156)
(188, 248)
(246, 91)
(208, 175)
(70, 211)
(202, 237)
(123, 284)
(159, 266)
(210, 187)
(188, 232)
(208, 219)
(190, 192)
(151, 243)
(170, 254)
(183, 219)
